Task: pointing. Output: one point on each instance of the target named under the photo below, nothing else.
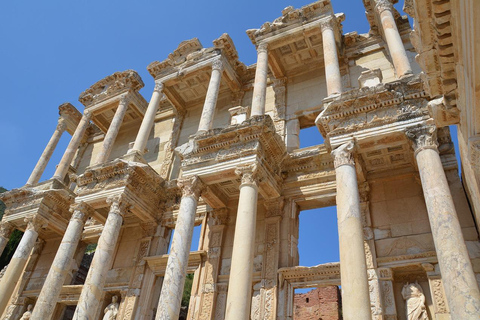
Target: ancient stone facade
(217, 145)
(321, 303)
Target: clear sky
(51, 51)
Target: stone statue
(28, 313)
(111, 311)
(413, 295)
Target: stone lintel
(71, 115)
(158, 264)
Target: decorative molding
(343, 155)
(423, 137)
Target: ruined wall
(321, 303)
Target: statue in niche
(27, 315)
(414, 298)
(111, 311)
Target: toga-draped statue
(414, 298)
(111, 311)
(28, 314)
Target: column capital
(217, 64)
(262, 47)
(87, 114)
(61, 124)
(191, 186)
(382, 5)
(423, 137)
(158, 87)
(249, 174)
(81, 211)
(125, 99)
(35, 223)
(6, 229)
(326, 24)
(344, 155)
(118, 204)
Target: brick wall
(318, 304)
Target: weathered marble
(240, 281)
(176, 270)
(330, 57)
(206, 119)
(19, 260)
(72, 147)
(353, 267)
(92, 294)
(47, 153)
(461, 286)
(5, 232)
(61, 266)
(112, 132)
(260, 86)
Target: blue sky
(51, 51)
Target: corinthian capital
(423, 137)
(158, 87)
(326, 24)
(249, 174)
(262, 47)
(124, 100)
(118, 204)
(217, 64)
(62, 124)
(35, 223)
(344, 155)
(191, 186)
(5, 229)
(81, 211)
(382, 5)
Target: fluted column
(260, 86)
(206, 121)
(353, 266)
(112, 131)
(47, 153)
(330, 57)
(172, 289)
(395, 45)
(239, 294)
(47, 300)
(72, 147)
(461, 287)
(148, 120)
(91, 297)
(5, 233)
(19, 260)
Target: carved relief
(343, 155)
(438, 296)
(422, 137)
(248, 174)
(191, 186)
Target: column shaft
(148, 120)
(206, 121)
(330, 56)
(239, 294)
(394, 41)
(112, 132)
(353, 267)
(260, 86)
(61, 266)
(72, 147)
(15, 267)
(91, 297)
(461, 287)
(172, 289)
(47, 153)
(5, 233)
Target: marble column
(239, 294)
(92, 295)
(5, 233)
(47, 153)
(172, 289)
(260, 86)
(330, 57)
(206, 121)
(461, 287)
(47, 300)
(353, 266)
(19, 260)
(72, 147)
(148, 120)
(112, 131)
(395, 45)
